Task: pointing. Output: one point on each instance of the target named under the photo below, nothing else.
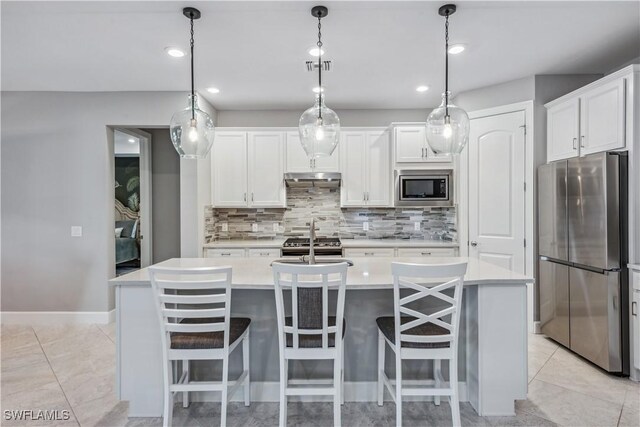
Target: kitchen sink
(319, 261)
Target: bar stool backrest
(309, 301)
(188, 298)
(441, 283)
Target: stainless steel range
(323, 246)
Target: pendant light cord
(446, 65)
(319, 44)
(193, 92)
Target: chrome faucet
(312, 238)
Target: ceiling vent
(313, 65)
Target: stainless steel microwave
(424, 187)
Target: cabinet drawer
(418, 252)
(265, 252)
(369, 252)
(225, 253)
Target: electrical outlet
(225, 227)
(365, 226)
(254, 227)
(276, 227)
(76, 231)
(416, 226)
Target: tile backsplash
(323, 204)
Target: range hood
(313, 179)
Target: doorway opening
(132, 204)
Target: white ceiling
(255, 51)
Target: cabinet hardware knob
(575, 141)
(474, 243)
(426, 253)
(582, 141)
(368, 254)
(252, 197)
(245, 197)
(634, 306)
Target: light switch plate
(225, 226)
(416, 226)
(365, 226)
(76, 231)
(254, 227)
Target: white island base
(493, 335)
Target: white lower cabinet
(369, 252)
(419, 252)
(635, 318)
(224, 253)
(264, 252)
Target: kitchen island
(492, 350)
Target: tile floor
(72, 368)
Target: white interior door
(496, 190)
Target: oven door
(424, 188)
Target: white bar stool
(194, 308)
(423, 336)
(310, 333)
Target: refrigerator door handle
(634, 307)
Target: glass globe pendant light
(319, 126)
(447, 125)
(192, 129)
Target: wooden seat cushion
(204, 340)
(388, 328)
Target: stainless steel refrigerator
(582, 241)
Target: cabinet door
(229, 169)
(328, 164)
(602, 118)
(426, 252)
(353, 146)
(563, 126)
(297, 160)
(378, 170)
(432, 157)
(264, 253)
(266, 169)
(369, 252)
(410, 143)
(225, 253)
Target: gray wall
(165, 196)
(499, 94)
(283, 118)
(57, 171)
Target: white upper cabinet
(563, 130)
(297, 160)
(410, 145)
(353, 150)
(602, 118)
(266, 169)
(248, 169)
(589, 120)
(229, 169)
(366, 169)
(378, 169)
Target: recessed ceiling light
(213, 90)
(317, 89)
(131, 140)
(422, 88)
(456, 49)
(174, 51)
(314, 51)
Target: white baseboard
(57, 317)
(364, 391)
(536, 327)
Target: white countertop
(346, 243)
(396, 243)
(366, 273)
(254, 243)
